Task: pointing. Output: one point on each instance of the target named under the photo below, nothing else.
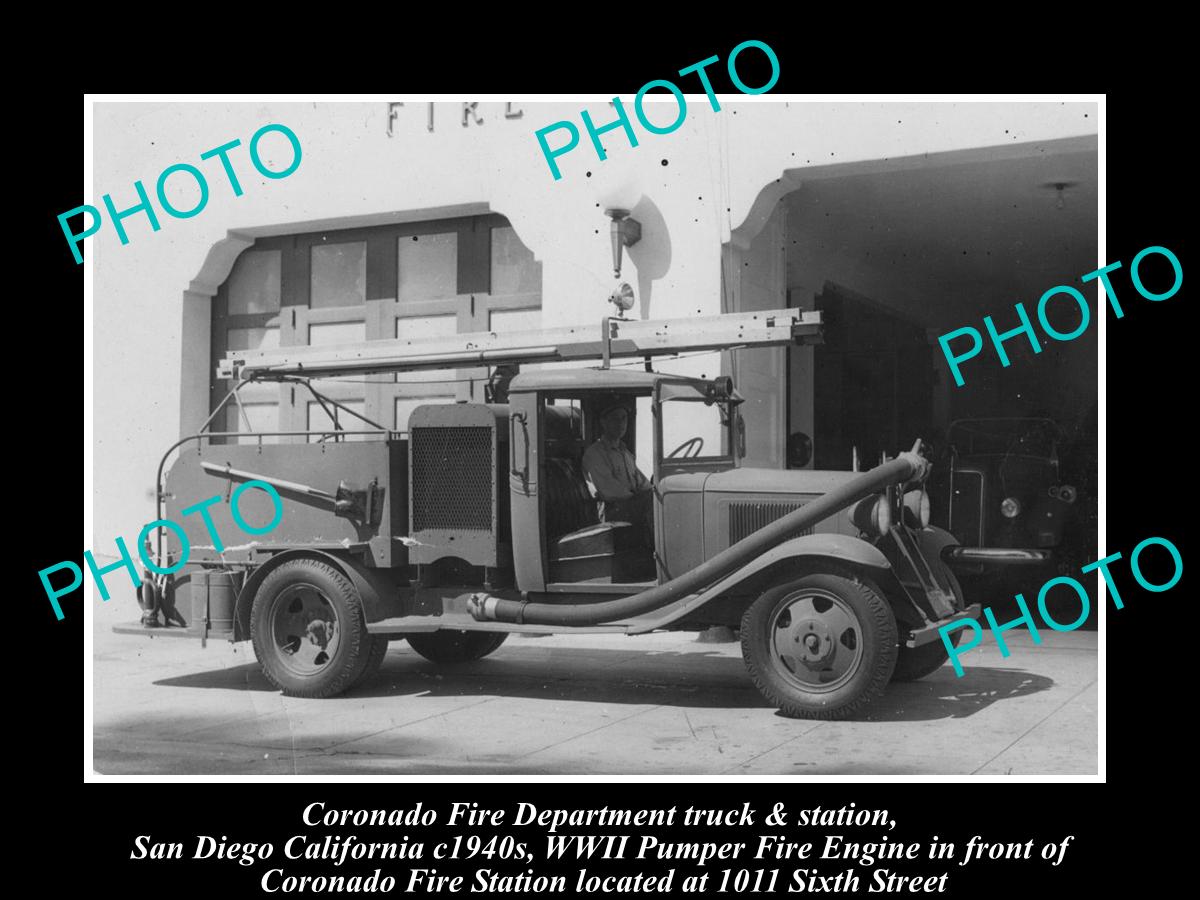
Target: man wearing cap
(613, 473)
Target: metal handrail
(338, 432)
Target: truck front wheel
(456, 646)
(914, 663)
(820, 647)
(309, 630)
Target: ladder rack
(617, 338)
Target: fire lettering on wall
(469, 113)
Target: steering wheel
(688, 449)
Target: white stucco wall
(717, 166)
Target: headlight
(1010, 508)
(1067, 494)
(882, 515)
(916, 506)
(622, 297)
(873, 515)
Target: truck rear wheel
(309, 630)
(820, 647)
(456, 646)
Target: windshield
(694, 426)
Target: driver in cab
(612, 472)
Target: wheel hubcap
(816, 640)
(304, 627)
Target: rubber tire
(450, 647)
(879, 635)
(375, 653)
(355, 644)
(914, 663)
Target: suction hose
(906, 467)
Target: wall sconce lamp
(626, 231)
(1059, 187)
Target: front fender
(933, 539)
(812, 552)
(933, 542)
(841, 547)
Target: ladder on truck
(617, 339)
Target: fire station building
(899, 221)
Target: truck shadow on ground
(212, 747)
(692, 679)
(943, 696)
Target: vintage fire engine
(478, 523)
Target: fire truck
(477, 522)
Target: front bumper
(978, 559)
(930, 633)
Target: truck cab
(690, 425)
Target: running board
(401, 625)
(161, 631)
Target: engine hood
(776, 481)
(740, 501)
(728, 506)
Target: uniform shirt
(612, 470)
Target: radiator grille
(745, 518)
(453, 485)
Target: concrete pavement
(585, 704)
